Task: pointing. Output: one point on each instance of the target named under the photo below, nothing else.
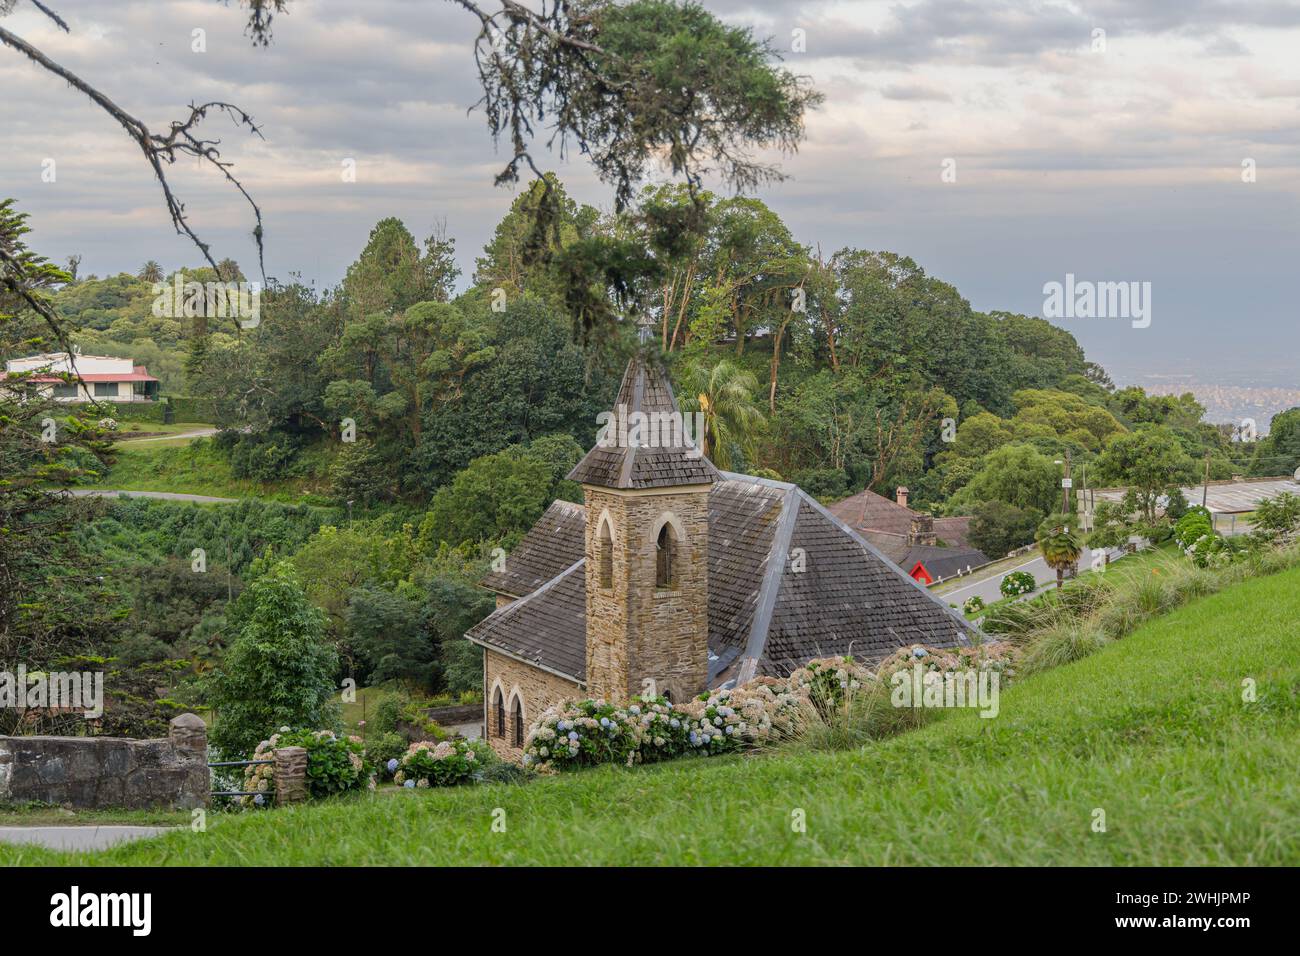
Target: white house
(105, 379)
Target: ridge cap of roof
(966, 627)
(769, 591)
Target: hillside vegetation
(1153, 730)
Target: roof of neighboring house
(658, 460)
(868, 511)
(137, 376)
(554, 544)
(765, 615)
(1234, 496)
(942, 562)
(954, 532)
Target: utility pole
(1065, 486)
(1205, 488)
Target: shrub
(335, 764)
(1192, 526)
(382, 748)
(1062, 644)
(442, 764)
(973, 604)
(1017, 583)
(388, 712)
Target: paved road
(78, 837)
(988, 588)
(163, 495)
(201, 433)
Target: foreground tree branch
(160, 150)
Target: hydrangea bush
(335, 764)
(973, 604)
(1017, 583)
(998, 656)
(443, 763)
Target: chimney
(902, 496)
(922, 530)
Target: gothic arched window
(519, 722)
(605, 555)
(666, 558)
(499, 704)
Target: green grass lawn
(193, 467)
(1152, 730)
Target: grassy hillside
(195, 467)
(1152, 730)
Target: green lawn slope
(1152, 730)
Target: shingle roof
(868, 511)
(849, 599)
(764, 616)
(547, 628)
(663, 457)
(552, 545)
(954, 532)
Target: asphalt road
(988, 588)
(163, 495)
(78, 837)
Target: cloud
(1117, 164)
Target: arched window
(499, 704)
(666, 558)
(605, 553)
(519, 722)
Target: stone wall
(109, 772)
(537, 689)
(637, 632)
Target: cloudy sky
(1115, 157)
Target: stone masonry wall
(636, 631)
(107, 772)
(538, 689)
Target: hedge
(187, 408)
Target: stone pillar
(290, 775)
(188, 733)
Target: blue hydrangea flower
(675, 723)
(409, 783)
(259, 800)
(573, 735)
(392, 765)
(919, 652)
(604, 721)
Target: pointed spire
(645, 440)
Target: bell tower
(646, 487)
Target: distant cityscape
(1223, 402)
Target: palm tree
(724, 393)
(1061, 549)
(150, 272)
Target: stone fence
(103, 772)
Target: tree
(385, 629)
(724, 395)
(998, 527)
(1278, 453)
(1060, 548)
(1016, 474)
(50, 601)
(1150, 461)
(279, 670)
(500, 496)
